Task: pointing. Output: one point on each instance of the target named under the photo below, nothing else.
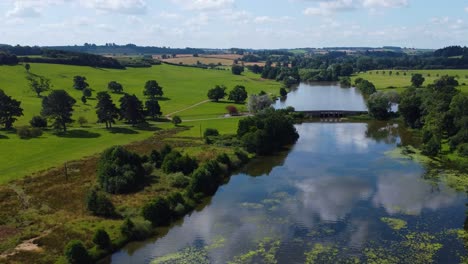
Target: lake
(340, 194)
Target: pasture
(398, 81)
(183, 87)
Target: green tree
(38, 84)
(152, 108)
(366, 87)
(127, 229)
(106, 110)
(210, 132)
(131, 109)
(38, 121)
(76, 253)
(410, 107)
(238, 94)
(115, 87)
(87, 92)
(79, 82)
(83, 99)
(379, 106)
(216, 93)
(120, 171)
(27, 67)
(58, 105)
(102, 239)
(99, 204)
(157, 212)
(10, 109)
(152, 89)
(417, 80)
(237, 69)
(176, 120)
(283, 92)
(257, 103)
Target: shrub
(102, 239)
(432, 147)
(463, 150)
(242, 156)
(283, 92)
(206, 179)
(179, 180)
(76, 253)
(157, 212)
(120, 171)
(25, 132)
(176, 120)
(224, 158)
(82, 121)
(165, 150)
(210, 132)
(99, 204)
(137, 229)
(232, 110)
(38, 121)
(156, 158)
(175, 162)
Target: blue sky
(236, 23)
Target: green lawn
(182, 86)
(400, 82)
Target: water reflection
(323, 96)
(333, 187)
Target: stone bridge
(332, 113)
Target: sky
(260, 24)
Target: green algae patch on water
(187, 256)
(265, 252)
(455, 179)
(394, 223)
(407, 153)
(321, 254)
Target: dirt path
(192, 106)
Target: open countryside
(233, 132)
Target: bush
(179, 180)
(242, 156)
(99, 204)
(232, 110)
(157, 212)
(82, 121)
(120, 171)
(432, 147)
(175, 162)
(176, 120)
(28, 132)
(76, 253)
(210, 132)
(463, 150)
(102, 239)
(224, 158)
(156, 158)
(206, 179)
(283, 92)
(38, 121)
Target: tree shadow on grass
(122, 130)
(163, 99)
(79, 133)
(3, 137)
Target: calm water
(323, 96)
(336, 194)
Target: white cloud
(168, 15)
(204, 4)
(384, 3)
(31, 8)
(268, 19)
(328, 7)
(120, 6)
(466, 9)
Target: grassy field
(193, 60)
(183, 87)
(400, 81)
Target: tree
(157, 212)
(76, 253)
(232, 110)
(82, 121)
(210, 132)
(120, 171)
(58, 105)
(27, 67)
(99, 204)
(366, 87)
(102, 239)
(83, 99)
(216, 93)
(106, 110)
(410, 107)
(417, 80)
(10, 109)
(87, 92)
(127, 229)
(38, 84)
(176, 120)
(152, 108)
(346, 70)
(283, 92)
(258, 102)
(79, 82)
(237, 69)
(131, 109)
(379, 106)
(238, 94)
(38, 121)
(115, 87)
(152, 89)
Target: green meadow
(400, 81)
(183, 87)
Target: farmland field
(400, 81)
(183, 87)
